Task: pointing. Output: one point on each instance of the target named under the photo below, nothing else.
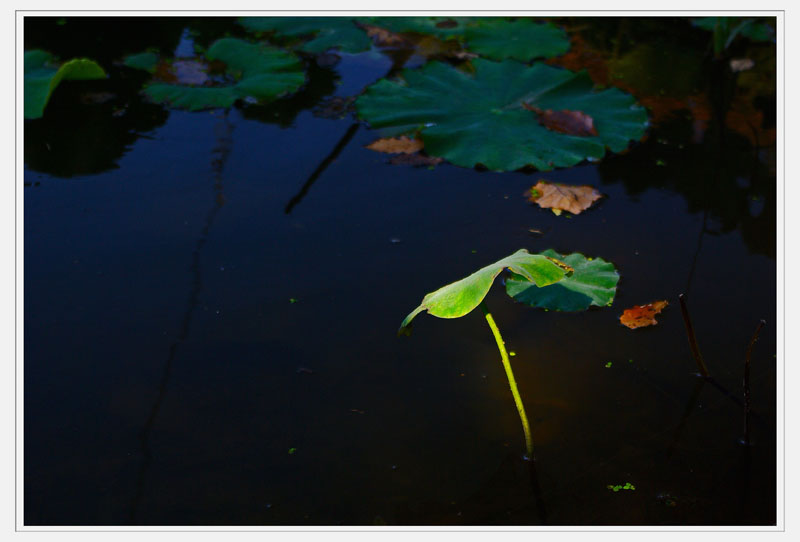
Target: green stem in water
(511, 381)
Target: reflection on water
(223, 131)
(283, 397)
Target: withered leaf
(642, 315)
(562, 197)
(396, 145)
(568, 122)
(422, 44)
(385, 38)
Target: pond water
(212, 300)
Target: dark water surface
(169, 379)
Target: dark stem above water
(698, 357)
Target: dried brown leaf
(642, 315)
(568, 122)
(385, 38)
(562, 197)
(396, 145)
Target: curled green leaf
(41, 78)
(461, 297)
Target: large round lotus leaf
(41, 79)
(593, 282)
(461, 297)
(480, 118)
(327, 32)
(497, 38)
(261, 72)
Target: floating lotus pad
(479, 119)
(146, 61)
(327, 32)
(262, 72)
(593, 282)
(41, 78)
(497, 38)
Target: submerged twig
(698, 357)
(746, 382)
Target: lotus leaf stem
(511, 381)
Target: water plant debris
(562, 197)
(642, 315)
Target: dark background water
(168, 376)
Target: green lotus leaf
(262, 72)
(41, 78)
(480, 119)
(593, 282)
(327, 32)
(146, 61)
(522, 39)
(252, 58)
(497, 38)
(192, 98)
(461, 297)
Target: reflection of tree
(88, 126)
(75, 138)
(690, 98)
(721, 177)
(221, 152)
(104, 39)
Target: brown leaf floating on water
(562, 197)
(422, 44)
(576, 123)
(385, 38)
(396, 145)
(642, 315)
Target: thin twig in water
(746, 382)
(698, 357)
